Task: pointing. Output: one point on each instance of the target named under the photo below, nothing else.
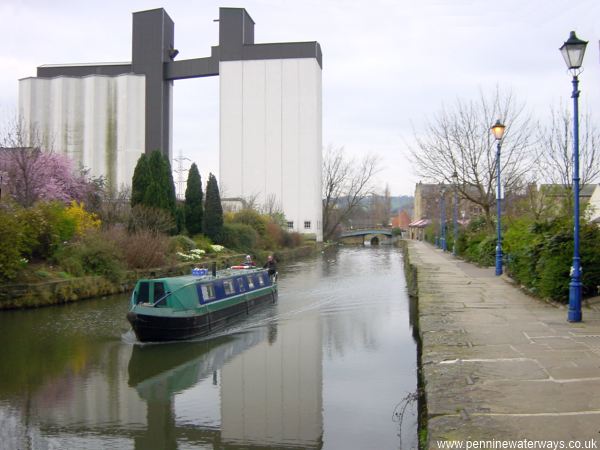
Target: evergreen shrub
(181, 243)
(239, 236)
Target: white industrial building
(271, 136)
(104, 116)
(96, 120)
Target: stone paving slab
(499, 364)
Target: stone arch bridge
(369, 236)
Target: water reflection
(323, 368)
(268, 390)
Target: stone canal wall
(411, 276)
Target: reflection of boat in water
(175, 308)
(178, 366)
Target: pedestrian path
(500, 365)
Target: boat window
(208, 292)
(250, 282)
(143, 295)
(261, 281)
(159, 291)
(228, 286)
(241, 286)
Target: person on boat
(271, 264)
(249, 261)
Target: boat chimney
(214, 269)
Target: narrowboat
(176, 308)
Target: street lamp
(455, 211)
(498, 132)
(443, 218)
(573, 50)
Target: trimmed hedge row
(537, 254)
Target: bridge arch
(372, 236)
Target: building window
(291, 224)
(307, 224)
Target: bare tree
(20, 162)
(115, 207)
(379, 208)
(271, 206)
(346, 182)
(250, 201)
(556, 143)
(459, 140)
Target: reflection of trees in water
(44, 356)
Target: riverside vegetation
(92, 233)
(537, 247)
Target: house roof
(422, 223)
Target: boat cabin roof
(184, 280)
(190, 291)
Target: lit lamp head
(498, 130)
(572, 51)
(455, 178)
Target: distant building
(401, 220)
(428, 199)
(416, 229)
(560, 191)
(594, 205)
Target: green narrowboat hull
(170, 321)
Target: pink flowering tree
(30, 174)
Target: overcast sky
(387, 65)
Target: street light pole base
(498, 261)
(574, 314)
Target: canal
(332, 365)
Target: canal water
(332, 365)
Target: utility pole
(180, 172)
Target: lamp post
(572, 51)
(443, 218)
(455, 212)
(498, 132)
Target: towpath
(501, 366)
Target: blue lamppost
(573, 50)
(443, 218)
(498, 132)
(455, 212)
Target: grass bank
(55, 291)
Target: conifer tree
(160, 191)
(170, 186)
(140, 181)
(212, 224)
(193, 201)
